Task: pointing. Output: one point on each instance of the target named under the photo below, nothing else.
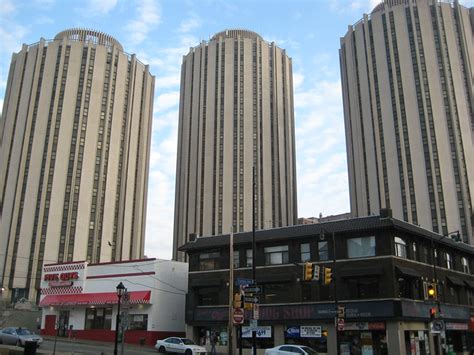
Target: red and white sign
(238, 316)
(340, 324)
(64, 279)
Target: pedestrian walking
(213, 341)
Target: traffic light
(238, 300)
(433, 313)
(308, 270)
(327, 275)
(431, 291)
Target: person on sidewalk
(213, 342)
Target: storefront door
(63, 323)
(50, 324)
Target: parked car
(18, 336)
(180, 346)
(290, 349)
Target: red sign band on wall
(65, 276)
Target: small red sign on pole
(238, 316)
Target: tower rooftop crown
(234, 33)
(88, 35)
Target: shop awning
(136, 297)
(469, 284)
(407, 271)
(455, 281)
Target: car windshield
(21, 331)
(309, 350)
(187, 341)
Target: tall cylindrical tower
(236, 112)
(75, 141)
(407, 78)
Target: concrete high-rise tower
(407, 78)
(74, 150)
(236, 113)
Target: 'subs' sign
(63, 279)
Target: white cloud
(148, 17)
(168, 81)
(11, 37)
(100, 7)
(320, 150)
(167, 100)
(189, 24)
(6, 7)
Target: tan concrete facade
(236, 112)
(407, 80)
(75, 141)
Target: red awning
(136, 297)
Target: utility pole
(254, 259)
(231, 290)
(335, 292)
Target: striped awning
(103, 298)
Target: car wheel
(188, 352)
(162, 350)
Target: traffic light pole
(336, 303)
(254, 259)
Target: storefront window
(219, 331)
(417, 342)
(248, 257)
(276, 255)
(465, 265)
(277, 293)
(363, 287)
(208, 296)
(363, 342)
(323, 251)
(264, 337)
(98, 318)
(137, 321)
(236, 259)
(209, 261)
(400, 248)
(361, 247)
(305, 252)
(312, 336)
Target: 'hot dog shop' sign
(61, 279)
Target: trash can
(30, 348)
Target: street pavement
(89, 347)
(84, 347)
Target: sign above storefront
(61, 279)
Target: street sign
(253, 324)
(341, 311)
(340, 324)
(437, 326)
(250, 299)
(238, 316)
(256, 308)
(252, 289)
(242, 282)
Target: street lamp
(336, 303)
(435, 260)
(435, 292)
(120, 291)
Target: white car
(291, 349)
(180, 346)
(18, 336)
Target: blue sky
(160, 32)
